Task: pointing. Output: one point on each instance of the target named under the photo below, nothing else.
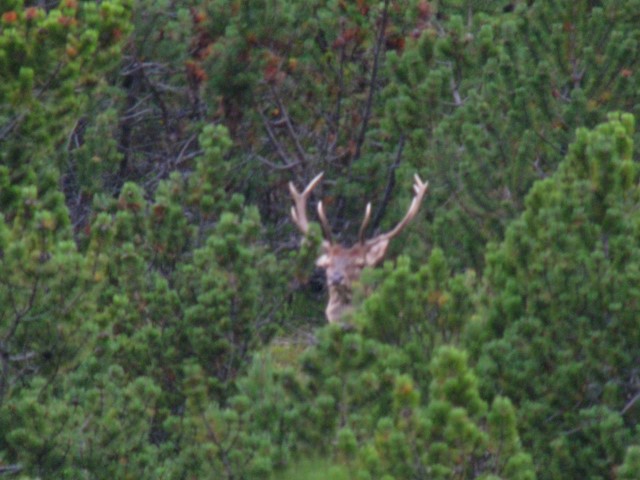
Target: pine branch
(373, 82)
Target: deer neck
(339, 302)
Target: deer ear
(376, 251)
(322, 261)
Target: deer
(343, 265)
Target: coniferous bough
(126, 343)
(561, 333)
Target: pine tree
(487, 101)
(417, 311)
(191, 295)
(629, 469)
(162, 288)
(376, 422)
(560, 336)
(380, 407)
(51, 63)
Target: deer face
(343, 266)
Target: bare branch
(630, 403)
(181, 155)
(10, 469)
(457, 100)
(390, 185)
(274, 139)
(275, 166)
(290, 129)
(334, 121)
(8, 127)
(374, 79)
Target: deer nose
(336, 278)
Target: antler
(326, 228)
(365, 222)
(299, 210)
(419, 188)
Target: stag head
(344, 265)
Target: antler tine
(365, 222)
(324, 222)
(419, 188)
(299, 209)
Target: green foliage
(314, 470)
(561, 331)
(225, 312)
(418, 310)
(214, 442)
(354, 384)
(48, 290)
(304, 97)
(96, 426)
(355, 403)
(147, 261)
(51, 62)
(629, 469)
(164, 288)
(489, 103)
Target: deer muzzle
(335, 278)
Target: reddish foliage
(197, 16)
(124, 204)
(394, 41)
(363, 7)
(31, 13)
(272, 72)
(9, 17)
(201, 45)
(67, 21)
(348, 35)
(252, 39)
(195, 72)
(116, 34)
